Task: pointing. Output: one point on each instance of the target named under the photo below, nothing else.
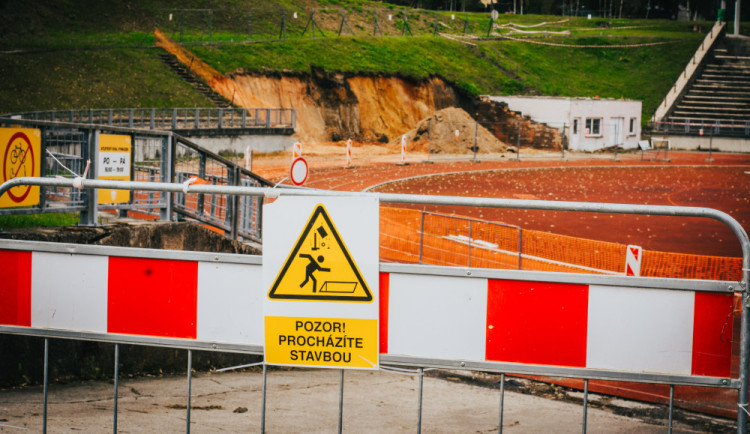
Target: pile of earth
(452, 131)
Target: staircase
(717, 99)
(184, 73)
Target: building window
(575, 126)
(631, 130)
(593, 126)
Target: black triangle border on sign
(319, 210)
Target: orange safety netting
(412, 236)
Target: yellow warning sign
(346, 343)
(320, 268)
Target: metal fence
(402, 277)
(703, 127)
(156, 156)
(175, 119)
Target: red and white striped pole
(403, 149)
(296, 151)
(349, 153)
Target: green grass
(8, 222)
(82, 79)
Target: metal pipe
(419, 199)
(117, 385)
(671, 407)
(502, 398)
(585, 403)
(263, 402)
(189, 387)
(419, 405)
(341, 402)
(46, 383)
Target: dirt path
(307, 401)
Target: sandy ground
(307, 401)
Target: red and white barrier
(633, 260)
(403, 149)
(133, 296)
(591, 326)
(296, 151)
(570, 325)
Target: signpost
(114, 164)
(321, 301)
(21, 150)
(299, 171)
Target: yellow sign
(114, 164)
(349, 343)
(22, 156)
(320, 268)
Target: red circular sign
(298, 171)
(18, 161)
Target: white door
(615, 131)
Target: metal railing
(741, 383)
(684, 79)
(281, 120)
(703, 127)
(157, 156)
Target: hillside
(88, 54)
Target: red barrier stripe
(152, 297)
(712, 334)
(384, 281)
(537, 322)
(15, 289)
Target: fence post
(201, 175)
(189, 386)
(89, 214)
(152, 121)
(469, 244)
(167, 170)
(233, 202)
(518, 142)
(46, 384)
(421, 238)
(197, 120)
(117, 385)
(130, 118)
(220, 121)
(174, 118)
(244, 118)
(520, 246)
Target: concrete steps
(720, 92)
(178, 68)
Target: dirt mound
(452, 131)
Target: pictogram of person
(311, 268)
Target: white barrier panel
(602, 323)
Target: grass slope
(91, 54)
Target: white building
(590, 123)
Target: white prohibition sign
(298, 171)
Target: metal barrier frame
(740, 384)
(167, 207)
(178, 118)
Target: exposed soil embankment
(336, 106)
(331, 105)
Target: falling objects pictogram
(320, 267)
